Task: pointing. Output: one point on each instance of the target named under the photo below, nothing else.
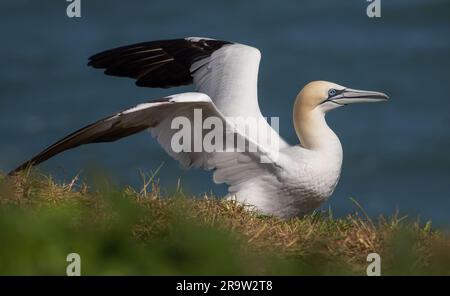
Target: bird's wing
(158, 116)
(225, 71)
(162, 63)
(122, 124)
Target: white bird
(293, 182)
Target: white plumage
(292, 181)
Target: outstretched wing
(227, 72)
(163, 63)
(157, 116)
(122, 124)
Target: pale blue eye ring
(332, 92)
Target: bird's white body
(292, 181)
(305, 180)
(299, 180)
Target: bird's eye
(332, 92)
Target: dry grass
(315, 244)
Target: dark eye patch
(334, 92)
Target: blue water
(395, 154)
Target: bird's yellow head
(319, 97)
(326, 96)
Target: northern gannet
(294, 181)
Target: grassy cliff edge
(129, 232)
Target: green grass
(127, 232)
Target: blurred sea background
(396, 155)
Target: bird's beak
(350, 96)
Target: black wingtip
(162, 63)
(23, 167)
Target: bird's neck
(314, 132)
